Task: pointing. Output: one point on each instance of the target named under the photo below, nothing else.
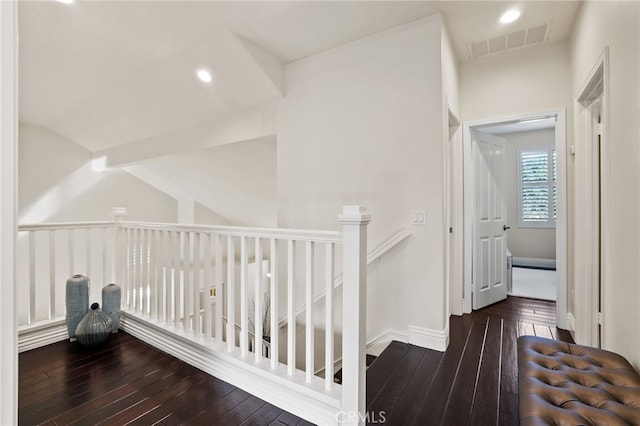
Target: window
(537, 205)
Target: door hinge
(599, 318)
(599, 129)
(451, 230)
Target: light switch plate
(418, 217)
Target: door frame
(561, 218)
(592, 233)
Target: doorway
(555, 160)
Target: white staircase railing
(185, 287)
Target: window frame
(550, 184)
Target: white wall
(204, 216)
(362, 124)
(616, 24)
(538, 243)
(236, 181)
(56, 184)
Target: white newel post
(354, 220)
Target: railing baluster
(153, 273)
(244, 335)
(134, 268)
(188, 288)
(52, 274)
(197, 288)
(166, 278)
(257, 295)
(32, 277)
(231, 295)
(70, 241)
(104, 232)
(291, 310)
(273, 298)
(207, 287)
(144, 276)
(87, 242)
(177, 281)
(329, 339)
(309, 347)
(219, 289)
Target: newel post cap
(119, 213)
(354, 214)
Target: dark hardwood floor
(475, 382)
(128, 382)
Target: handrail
(375, 254)
(232, 231)
(63, 225)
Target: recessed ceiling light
(204, 75)
(67, 1)
(509, 16)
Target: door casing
(561, 219)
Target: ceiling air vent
(515, 40)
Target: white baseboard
(437, 340)
(379, 344)
(571, 322)
(533, 262)
(43, 334)
(309, 401)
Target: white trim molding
(46, 334)
(8, 212)
(437, 340)
(571, 323)
(532, 262)
(309, 401)
(377, 345)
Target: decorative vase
(111, 304)
(77, 300)
(95, 327)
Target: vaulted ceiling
(118, 77)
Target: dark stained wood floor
(129, 382)
(475, 382)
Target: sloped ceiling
(119, 76)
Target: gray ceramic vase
(111, 304)
(77, 300)
(95, 327)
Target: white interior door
(489, 230)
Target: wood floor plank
(508, 414)
(405, 412)
(242, 412)
(383, 368)
(432, 407)
(461, 396)
(485, 403)
(264, 416)
(220, 408)
(391, 391)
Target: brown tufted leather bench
(566, 384)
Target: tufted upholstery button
(565, 384)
